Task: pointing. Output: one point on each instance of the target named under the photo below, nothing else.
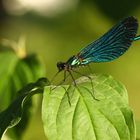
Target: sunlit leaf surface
(72, 113)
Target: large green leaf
(12, 115)
(108, 117)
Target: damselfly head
(60, 66)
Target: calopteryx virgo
(108, 47)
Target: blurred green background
(57, 29)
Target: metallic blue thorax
(75, 61)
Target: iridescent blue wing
(112, 44)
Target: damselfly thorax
(73, 62)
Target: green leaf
(108, 117)
(15, 73)
(12, 115)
